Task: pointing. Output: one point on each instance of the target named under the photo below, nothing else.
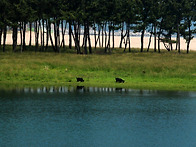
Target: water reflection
(82, 89)
(87, 116)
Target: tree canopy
(164, 18)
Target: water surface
(93, 117)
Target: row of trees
(50, 19)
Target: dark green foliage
(167, 17)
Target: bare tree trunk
(142, 40)
(150, 39)
(50, 35)
(47, 34)
(63, 33)
(105, 37)
(155, 37)
(85, 39)
(109, 34)
(189, 38)
(178, 29)
(21, 40)
(95, 35)
(102, 36)
(15, 33)
(36, 36)
(55, 38)
(128, 37)
(113, 36)
(171, 46)
(30, 25)
(24, 36)
(99, 36)
(41, 35)
(1, 30)
(43, 42)
(177, 42)
(77, 46)
(121, 36)
(4, 37)
(89, 39)
(70, 40)
(58, 37)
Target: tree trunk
(171, 46)
(43, 43)
(55, 37)
(41, 35)
(30, 25)
(70, 40)
(85, 39)
(21, 40)
(113, 36)
(95, 35)
(99, 36)
(36, 36)
(24, 36)
(58, 37)
(189, 38)
(178, 29)
(47, 34)
(105, 37)
(108, 45)
(128, 35)
(142, 40)
(155, 37)
(63, 33)
(4, 37)
(1, 30)
(102, 36)
(50, 35)
(177, 42)
(15, 33)
(89, 40)
(76, 28)
(120, 46)
(150, 39)
(159, 48)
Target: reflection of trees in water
(66, 89)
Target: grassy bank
(164, 71)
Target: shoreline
(138, 86)
(83, 87)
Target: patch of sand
(135, 41)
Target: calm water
(97, 118)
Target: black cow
(119, 80)
(80, 79)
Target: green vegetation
(146, 70)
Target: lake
(97, 117)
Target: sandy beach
(135, 41)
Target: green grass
(164, 71)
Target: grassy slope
(165, 71)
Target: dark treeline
(51, 19)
